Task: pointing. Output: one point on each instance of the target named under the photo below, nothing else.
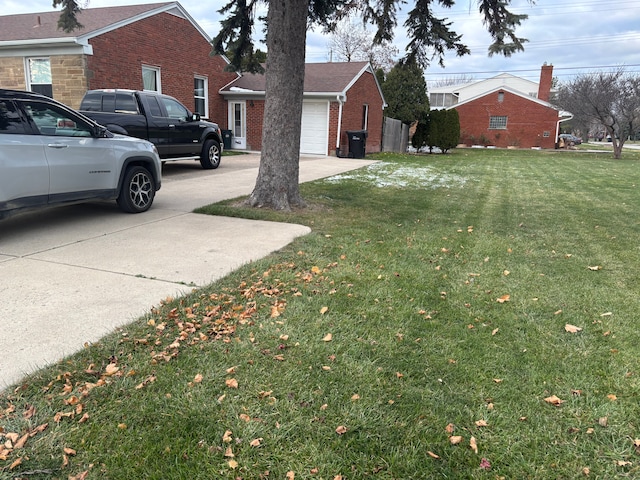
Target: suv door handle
(57, 145)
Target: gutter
(341, 98)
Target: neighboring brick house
(338, 98)
(154, 46)
(505, 111)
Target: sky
(575, 36)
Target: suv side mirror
(195, 117)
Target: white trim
(205, 79)
(158, 77)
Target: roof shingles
(44, 25)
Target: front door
(238, 124)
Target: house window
(200, 95)
(500, 97)
(498, 123)
(151, 79)
(365, 116)
(442, 100)
(39, 76)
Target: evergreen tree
(405, 91)
(451, 132)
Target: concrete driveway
(69, 276)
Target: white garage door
(314, 137)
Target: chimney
(38, 22)
(546, 77)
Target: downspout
(560, 121)
(341, 99)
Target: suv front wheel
(138, 190)
(210, 156)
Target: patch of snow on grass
(384, 174)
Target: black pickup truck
(176, 132)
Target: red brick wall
(527, 122)
(166, 42)
(255, 115)
(364, 91)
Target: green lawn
(471, 315)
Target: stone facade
(12, 74)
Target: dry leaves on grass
(504, 298)
(553, 400)
(572, 328)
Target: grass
(428, 303)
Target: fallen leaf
(231, 383)
(21, 441)
(341, 430)
(433, 455)
(290, 475)
(198, 378)
(553, 400)
(16, 462)
(327, 338)
(226, 438)
(455, 439)
(228, 453)
(606, 314)
(484, 464)
(504, 298)
(586, 471)
(80, 476)
(481, 423)
(612, 397)
(623, 463)
(595, 268)
(69, 451)
(572, 328)
(244, 417)
(474, 445)
(111, 369)
(324, 310)
(449, 428)
(232, 464)
(256, 442)
(494, 331)
(355, 397)
(603, 421)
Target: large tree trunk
(277, 185)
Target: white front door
(238, 124)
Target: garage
(315, 128)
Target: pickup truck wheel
(138, 190)
(210, 157)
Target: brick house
(123, 47)
(505, 111)
(160, 47)
(338, 98)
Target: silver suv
(52, 155)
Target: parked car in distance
(52, 155)
(177, 132)
(569, 138)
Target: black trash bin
(227, 135)
(357, 143)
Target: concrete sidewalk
(69, 276)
